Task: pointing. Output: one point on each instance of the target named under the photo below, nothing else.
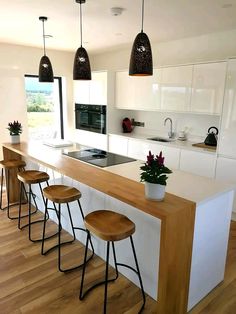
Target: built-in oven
(90, 118)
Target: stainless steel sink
(160, 139)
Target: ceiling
(164, 20)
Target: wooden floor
(31, 283)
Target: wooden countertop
(114, 185)
(177, 217)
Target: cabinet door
(176, 88)
(124, 93)
(82, 92)
(147, 91)
(226, 172)
(138, 93)
(208, 87)
(227, 143)
(98, 88)
(138, 149)
(202, 164)
(118, 145)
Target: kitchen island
(182, 223)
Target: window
(44, 108)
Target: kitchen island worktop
(182, 216)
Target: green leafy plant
(154, 170)
(15, 128)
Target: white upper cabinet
(208, 87)
(195, 88)
(176, 88)
(124, 93)
(92, 92)
(227, 143)
(138, 93)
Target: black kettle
(211, 138)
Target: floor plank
(31, 283)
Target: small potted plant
(154, 174)
(15, 129)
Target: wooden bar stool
(32, 177)
(110, 227)
(9, 166)
(62, 194)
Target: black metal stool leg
(106, 278)
(7, 176)
(138, 273)
(115, 261)
(1, 189)
(44, 226)
(81, 296)
(82, 214)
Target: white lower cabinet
(139, 149)
(226, 171)
(202, 164)
(118, 144)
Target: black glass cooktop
(99, 157)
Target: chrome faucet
(170, 133)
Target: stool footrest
(81, 297)
(127, 266)
(56, 246)
(75, 267)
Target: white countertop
(189, 186)
(183, 184)
(175, 143)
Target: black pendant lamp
(141, 55)
(81, 69)
(45, 66)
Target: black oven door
(97, 122)
(90, 118)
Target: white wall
(209, 47)
(25, 60)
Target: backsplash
(195, 125)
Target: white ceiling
(164, 20)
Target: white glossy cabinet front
(139, 149)
(197, 88)
(137, 93)
(227, 143)
(208, 87)
(118, 144)
(92, 92)
(176, 88)
(226, 172)
(202, 164)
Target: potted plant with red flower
(154, 174)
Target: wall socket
(137, 123)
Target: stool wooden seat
(111, 227)
(61, 193)
(8, 166)
(32, 176)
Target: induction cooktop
(99, 157)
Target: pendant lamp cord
(80, 25)
(142, 16)
(44, 50)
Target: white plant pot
(154, 191)
(15, 139)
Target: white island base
(211, 231)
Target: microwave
(90, 118)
